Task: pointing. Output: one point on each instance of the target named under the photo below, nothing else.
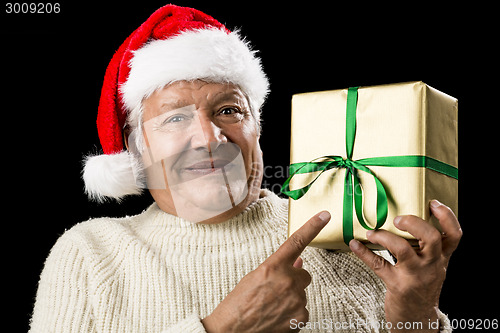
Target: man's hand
(267, 298)
(414, 283)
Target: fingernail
(324, 216)
(396, 220)
(369, 233)
(354, 245)
(435, 203)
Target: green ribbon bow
(352, 189)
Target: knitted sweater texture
(155, 272)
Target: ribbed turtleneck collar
(266, 216)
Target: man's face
(203, 159)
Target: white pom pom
(112, 176)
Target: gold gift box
(391, 120)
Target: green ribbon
(352, 189)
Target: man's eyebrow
(226, 95)
(174, 104)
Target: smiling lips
(206, 167)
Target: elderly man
(179, 115)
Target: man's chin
(199, 202)
(213, 198)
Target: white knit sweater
(155, 272)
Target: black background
(52, 71)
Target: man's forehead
(199, 93)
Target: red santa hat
(174, 44)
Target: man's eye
(229, 111)
(175, 119)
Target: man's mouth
(206, 167)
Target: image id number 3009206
(32, 8)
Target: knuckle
(287, 282)
(434, 236)
(304, 299)
(449, 213)
(453, 238)
(303, 315)
(441, 274)
(297, 241)
(404, 253)
(378, 263)
(307, 278)
(457, 234)
(297, 302)
(265, 270)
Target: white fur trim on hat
(209, 54)
(112, 176)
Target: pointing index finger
(291, 249)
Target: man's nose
(206, 134)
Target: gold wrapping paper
(392, 120)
